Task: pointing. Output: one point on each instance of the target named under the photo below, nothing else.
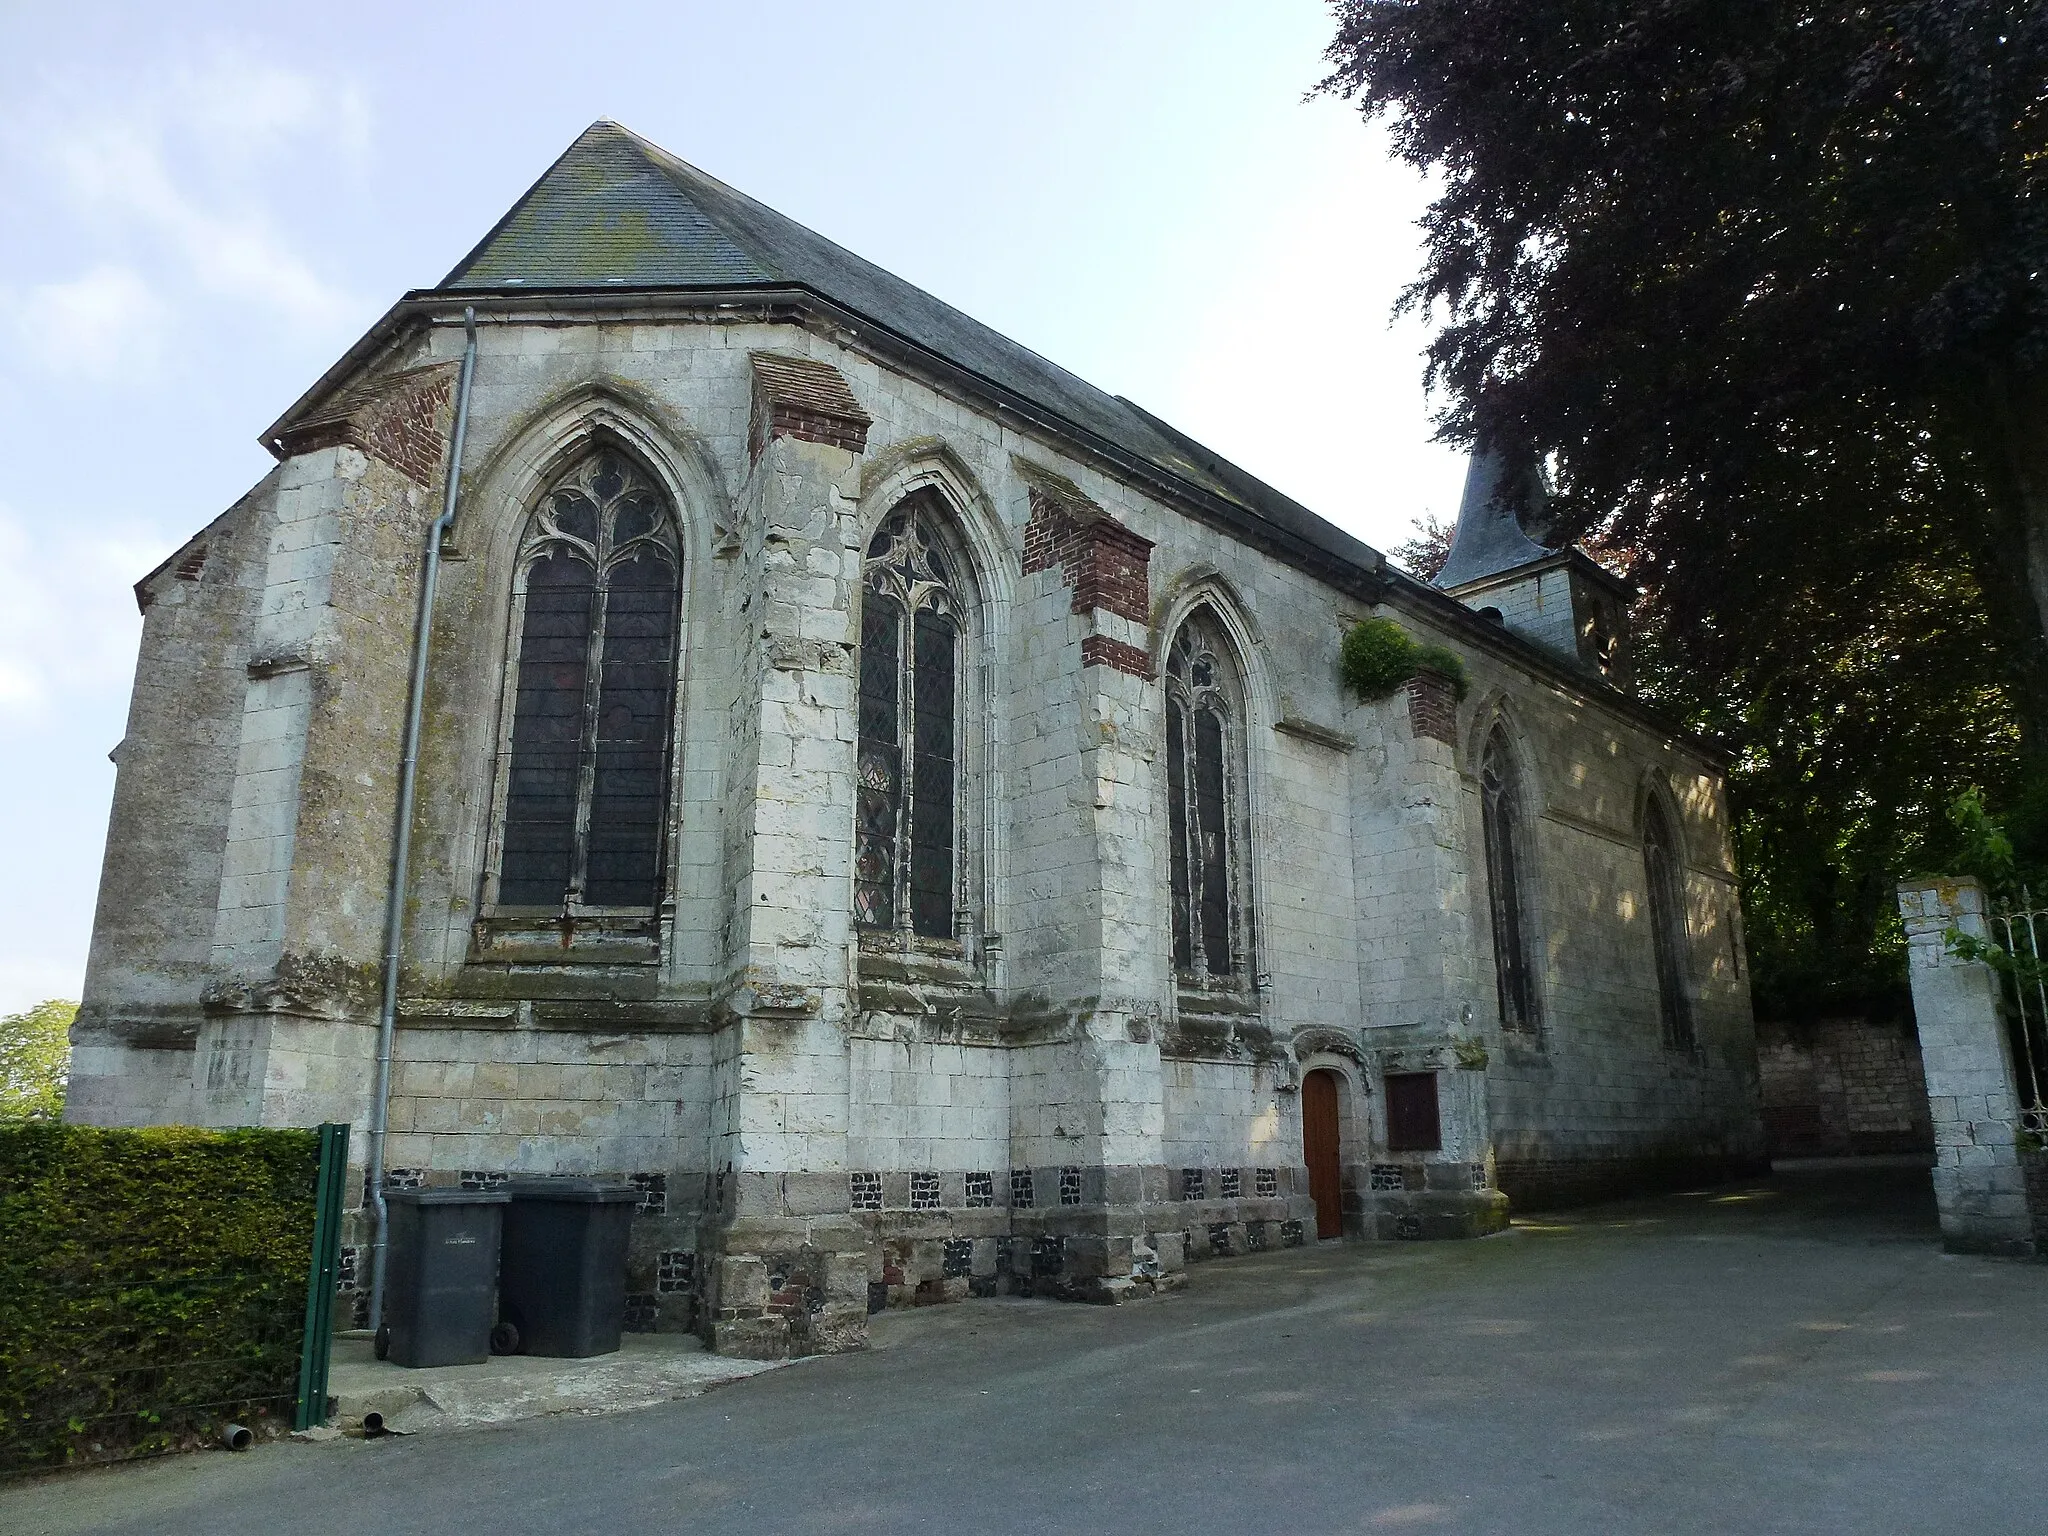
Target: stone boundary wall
(2034, 1166)
(1557, 1184)
(1843, 1088)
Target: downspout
(401, 857)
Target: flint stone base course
(772, 1306)
(1230, 1239)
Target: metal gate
(2018, 930)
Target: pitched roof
(616, 212)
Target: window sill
(1215, 995)
(886, 957)
(536, 936)
(891, 941)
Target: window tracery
(1667, 925)
(1205, 806)
(906, 791)
(595, 612)
(1506, 869)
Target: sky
(207, 203)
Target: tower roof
(616, 212)
(1489, 538)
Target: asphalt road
(1793, 1356)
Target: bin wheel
(383, 1345)
(505, 1339)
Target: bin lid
(574, 1190)
(446, 1196)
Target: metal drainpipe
(408, 768)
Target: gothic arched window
(909, 712)
(1506, 870)
(594, 607)
(1661, 866)
(1205, 805)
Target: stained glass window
(905, 829)
(594, 679)
(1667, 926)
(1204, 779)
(1501, 824)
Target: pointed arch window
(1661, 868)
(594, 609)
(1205, 806)
(905, 799)
(1506, 871)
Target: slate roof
(616, 212)
(1488, 539)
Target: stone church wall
(831, 1123)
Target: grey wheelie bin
(441, 1276)
(562, 1276)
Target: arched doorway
(1322, 1150)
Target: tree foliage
(1763, 280)
(35, 1061)
(1423, 553)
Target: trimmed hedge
(152, 1285)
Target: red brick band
(1102, 651)
(1433, 707)
(1105, 563)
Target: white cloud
(104, 322)
(182, 169)
(242, 106)
(68, 624)
(122, 171)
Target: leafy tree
(35, 1060)
(1763, 279)
(1423, 553)
(1753, 271)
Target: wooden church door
(1321, 1152)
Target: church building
(894, 803)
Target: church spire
(1489, 538)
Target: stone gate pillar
(1979, 1182)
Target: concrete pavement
(1793, 1356)
(648, 1368)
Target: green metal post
(311, 1407)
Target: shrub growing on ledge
(1447, 662)
(1379, 656)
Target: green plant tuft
(1448, 663)
(1378, 657)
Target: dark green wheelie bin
(441, 1276)
(562, 1273)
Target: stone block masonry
(1843, 1088)
(1008, 1077)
